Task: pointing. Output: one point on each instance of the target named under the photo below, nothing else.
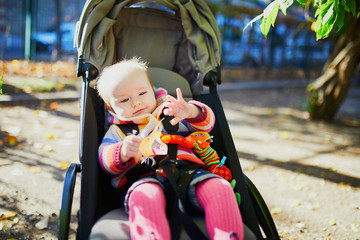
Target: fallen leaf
(332, 222)
(7, 214)
(43, 223)
(49, 136)
(315, 206)
(64, 165)
(12, 140)
(5, 224)
(47, 148)
(276, 210)
(300, 225)
(35, 169)
(250, 169)
(38, 145)
(54, 105)
(284, 135)
(296, 204)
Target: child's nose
(135, 103)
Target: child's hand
(180, 109)
(130, 148)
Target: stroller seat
(114, 224)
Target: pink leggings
(147, 211)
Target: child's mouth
(139, 111)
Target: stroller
(181, 42)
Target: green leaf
(328, 15)
(327, 24)
(344, 4)
(253, 20)
(318, 3)
(284, 4)
(351, 4)
(340, 17)
(318, 24)
(271, 10)
(1, 82)
(322, 10)
(265, 26)
(302, 2)
(268, 18)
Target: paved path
(307, 172)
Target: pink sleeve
(205, 121)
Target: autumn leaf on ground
(49, 136)
(35, 169)
(54, 105)
(12, 140)
(276, 210)
(7, 214)
(296, 204)
(64, 165)
(47, 148)
(284, 135)
(314, 206)
(332, 222)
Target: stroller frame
(95, 201)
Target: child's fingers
(179, 94)
(134, 138)
(171, 98)
(167, 111)
(174, 121)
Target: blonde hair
(112, 75)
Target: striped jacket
(109, 150)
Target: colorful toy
(200, 142)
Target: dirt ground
(307, 172)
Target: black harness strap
(181, 190)
(185, 181)
(128, 129)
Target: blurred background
(41, 30)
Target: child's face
(133, 96)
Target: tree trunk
(330, 89)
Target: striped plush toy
(200, 142)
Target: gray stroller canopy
(183, 38)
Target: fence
(283, 48)
(38, 18)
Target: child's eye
(124, 100)
(142, 93)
